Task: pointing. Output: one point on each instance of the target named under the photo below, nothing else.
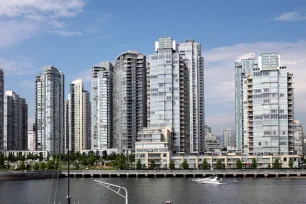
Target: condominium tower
(177, 93)
(78, 117)
(15, 122)
(102, 106)
(1, 108)
(264, 105)
(50, 110)
(129, 99)
(228, 138)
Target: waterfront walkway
(188, 173)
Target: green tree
(41, 157)
(132, 158)
(76, 165)
(290, 163)
(254, 163)
(171, 165)
(35, 166)
(152, 164)
(50, 164)
(276, 164)
(185, 164)
(22, 166)
(239, 164)
(121, 161)
(219, 164)
(204, 164)
(1, 160)
(138, 165)
(92, 159)
(42, 166)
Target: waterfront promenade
(266, 173)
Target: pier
(225, 173)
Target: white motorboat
(208, 180)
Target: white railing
(109, 186)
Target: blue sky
(74, 35)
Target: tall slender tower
(1, 109)
(169, 93)
(15, 122)
(264, 105)
(190, 51)
(102, 106)
(78, 112)
(130, 99)
(50, 110)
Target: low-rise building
(153, 144)
(229, 161)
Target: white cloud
(219, 74)
(23, 19)
(298, 15)
(17, 66)
(13, 32)
(38, 8)
(28, 83)
(65, 33)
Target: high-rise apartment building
(50, 110)
(78, 117)
(264, 105)
(298, 139)
(102, 107)
(130, 99)
(15, 122)
(1, 109)
(190, 51)
(148, 93)
(66, 127)
(177, 93)
(228, 138)
(31, 140)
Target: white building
(228, 138)
(264, 105)
(50, 110)
(31, 140)
(298, 139)
(78, 117)
(153, 144)
(102, 106)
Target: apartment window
(266, 90)
(281, 95)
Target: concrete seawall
(255, 173)
(20, 175)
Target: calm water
(157, 191)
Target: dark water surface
(157, 191)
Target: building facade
(129, 99)
(1, 109)
(102, 107)
(298, 139)
(264, 105)
(177, 93)
(190, 51)
(15, 122)
(78, 117)
(50, 110)
(31, 140)
(228, 138)
(153, 144)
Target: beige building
(153, 144)
(79, 116)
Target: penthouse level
(266, 173)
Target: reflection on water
(156, 191)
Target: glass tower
(264, 105)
